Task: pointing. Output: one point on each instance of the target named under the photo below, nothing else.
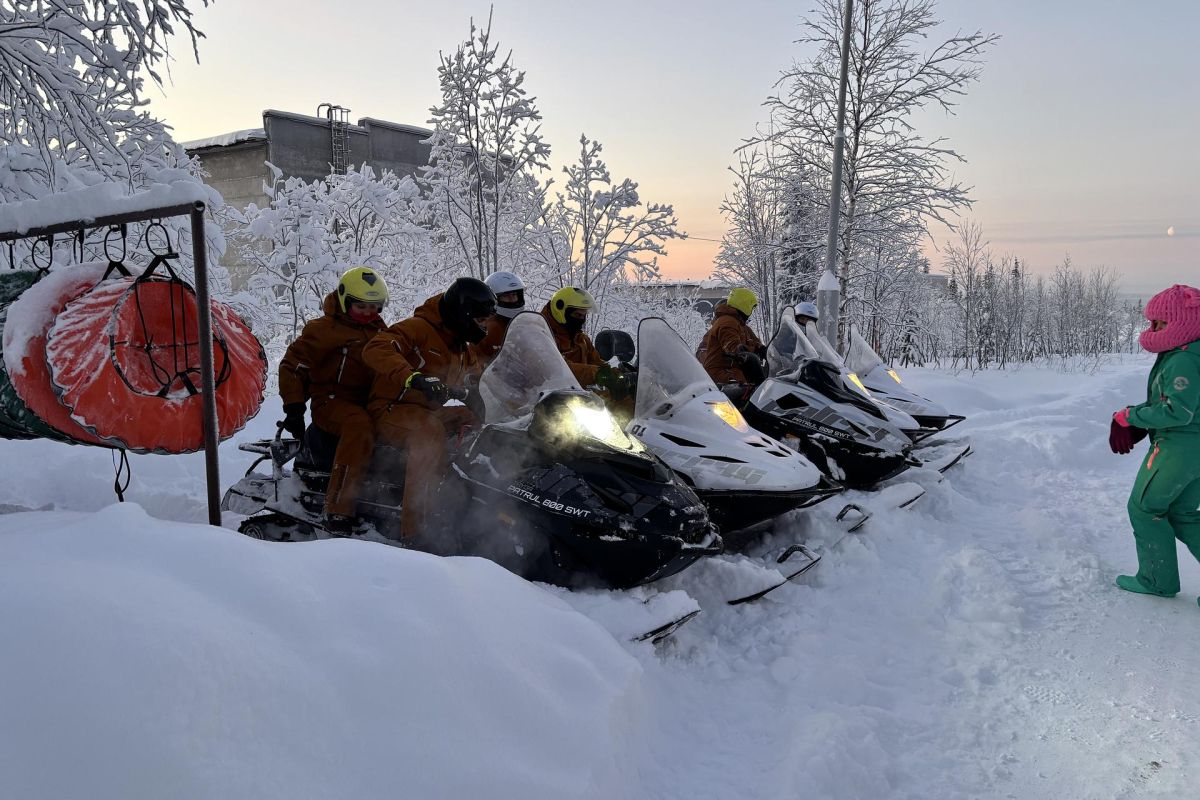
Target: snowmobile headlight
(894, 376)
(599, 424)
(858, 382)
(729, 414)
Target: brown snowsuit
(728, 335)
(403, 417)
(497, 327)
(325, 365)
(578, 351)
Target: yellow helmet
(743, 300)
(362, 284)
(569, 297)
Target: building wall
(301, 146)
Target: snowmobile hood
(690, 424)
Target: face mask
(364, 317)
(574, 324)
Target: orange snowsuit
(325, 365)
(577, 350)
(728, 335)
(403, 417)
(497, 328)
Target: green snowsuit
(1165, 502)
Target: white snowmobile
(549, 486)
(853, 382)
(744, 477)
(882, 381)
(808, 403)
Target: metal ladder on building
(339, 137)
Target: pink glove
(1122, 417)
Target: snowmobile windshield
(527, 368)
(823, 347)
(860, 356)
(789, 349)
(668, 373)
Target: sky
(1081, 136)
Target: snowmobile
(549, 486)
(883, 382)
(853, 382)
(744, 477)
(806, 403)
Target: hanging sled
(124, 358)
(30, 398)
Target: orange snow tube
(29, 319)
(125, 359)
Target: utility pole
(829, 288)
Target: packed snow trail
(971, 646)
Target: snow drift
(154, 659)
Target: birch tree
(896, 181)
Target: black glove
(293, 419)
(610, 380)
(434, 390)
(1121, 439)
(752, 366)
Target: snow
(171, 660)
(226, 139)
(970, 646)
(172, 187)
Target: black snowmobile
(806, 403)
(549, 487)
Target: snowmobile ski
(896, 496)
(664, 631)
(811, 559)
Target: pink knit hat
(1179, 307)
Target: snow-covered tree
(611, 237)
(896, 181)
(311, 232)
(486, 202)
(72, 110)
(773, 243)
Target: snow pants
(423, 434)
(356, 442)
(1165, 506)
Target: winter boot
(1130, 583)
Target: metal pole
(208, 388)
(829, 288)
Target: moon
(1171, 231)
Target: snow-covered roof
(398, 126)
(271, 112)
(106, 199)
(227, 139)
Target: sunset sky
(1081, 137)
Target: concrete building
(305, 147)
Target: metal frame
(200, 256)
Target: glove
(293, 419)
(613, 382)
(1122, 417)
(1122, 438)
(434, 390)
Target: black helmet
(466, 300)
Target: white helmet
(501, 283)
(807, 309)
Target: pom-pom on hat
(1179, 307)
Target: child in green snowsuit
(1165, 502)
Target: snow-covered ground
(970, 646)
